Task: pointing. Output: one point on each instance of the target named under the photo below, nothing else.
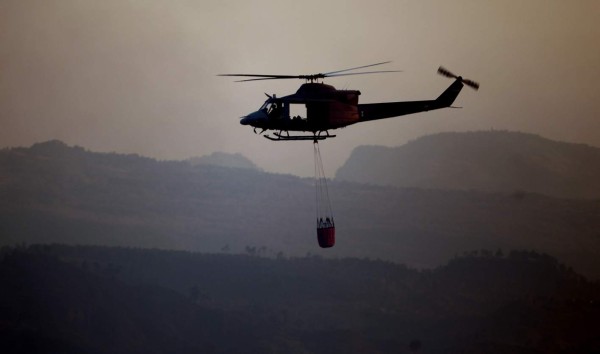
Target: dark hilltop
(492, 161)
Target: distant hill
(60, 299)
(225, 160)
(52, 192)
(496, 161)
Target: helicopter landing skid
(314, 137)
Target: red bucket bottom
(326, 236)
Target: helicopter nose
(254, 118)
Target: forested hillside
(99, 299)
(493, 161)
(55, 193)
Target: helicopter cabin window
(297, 111)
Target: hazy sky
(140, 76)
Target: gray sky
(140, 76)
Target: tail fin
(447, 97)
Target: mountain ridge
(75, 196)
(493, 161)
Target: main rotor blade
(258, 77)
(271, 78)
(265, 76)
(358, 67)
(365, 72)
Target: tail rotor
(445, 72)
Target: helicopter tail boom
(375, 111)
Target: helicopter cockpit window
(270, 106)
(266, 106)
(273, 107)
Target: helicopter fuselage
(327, 108)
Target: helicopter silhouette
(327, 108)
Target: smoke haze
(140, 77)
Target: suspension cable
(322, 192)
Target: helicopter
(322, 107)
